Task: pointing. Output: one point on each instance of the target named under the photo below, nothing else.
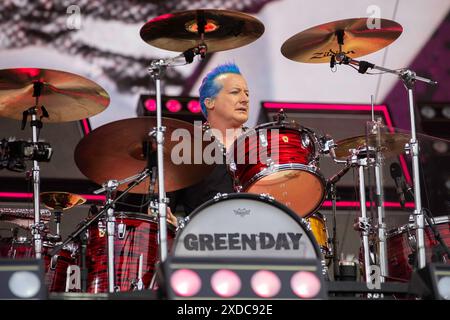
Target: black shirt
(218, 181)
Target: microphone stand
(409, 78)
(156, 70)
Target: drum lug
(306, 141)
(263, 139)
(220, 196)
(53, 262)
(121, 230)
(266, 196)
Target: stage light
(265, 284)
(446, 112)
(185, 283)
(432, 282)
(173, 105)
(305, 284)
(225, 283)
(22, 279)
(150, 105)
(194, 106)
(440, 146)
(428, 112)
(241, 278)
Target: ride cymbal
(116, 151)
(391, 144)
(223, 30)
(319, 43)
(65, 96)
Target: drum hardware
(110, 187)
(138, 284)
(63, 94)
(59, 202)
(325, 43)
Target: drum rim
(284, 167)
(245, 195)
(285, 125)
(410, 226)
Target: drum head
(245, 225)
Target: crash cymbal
(392, 144)
(317, 44)
(224, 30)
(65, 96)
(115, 151)
(61, 200)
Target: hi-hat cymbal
(115, 151)
(65, 96)
(391, 144)
(224, 30)
(61, 200)
(317, 44)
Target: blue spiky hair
(210, 88)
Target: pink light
(150, 105)
(357, 204)
(173, 105)
(342, 107)
(185, 282)
(24, 195)
(194, 106)
(15, 195)
(318, 106)
(30, 72)
(86, 129)
(305, 284)
(265, 284)
(225, 283)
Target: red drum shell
(56, 272)
(399, 248)
(141, 237)
(292, 178)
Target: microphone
(396, 174)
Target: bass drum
(245, 225)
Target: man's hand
(170, 218)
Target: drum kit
(276, 199)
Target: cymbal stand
(110, 186)
(408, 78)
(157, 68)
(36, 124)
(374, 128)
(364, 221)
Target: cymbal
(61, 200)
(65, 96)
(115, 151)
(224, 30)
(317, 44)
(23, 217)
(392, 144)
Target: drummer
(224, 99)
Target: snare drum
(135, 252)
(280, 160)
(245, 225)
(401, 243)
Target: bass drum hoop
(243, 195)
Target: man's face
(231, 104)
